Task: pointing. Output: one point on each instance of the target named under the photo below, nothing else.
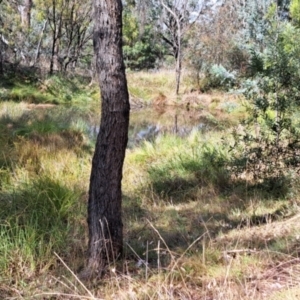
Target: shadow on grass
(180, 181)
(23, 86)
(188, 197)
(172, 228)
(28, 85)
(54, 129)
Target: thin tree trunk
(27, 13)
(52, 56)
(178, 57)
(37, 53)
(1, 57)
(178, 63)
(54, 36)
(105, 197)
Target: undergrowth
(191, 229)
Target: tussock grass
(191, 231)
(43, 162)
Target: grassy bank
(191, 229)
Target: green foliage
(256, 63)
(130, 28)
(139, 56)
(295, 11)
(221, 77)
(140, 49)
(218, 77)
(237, 58)
(255, 24)
(270, 138)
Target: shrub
(218, 77)
(269, 139)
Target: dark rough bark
(105, 197)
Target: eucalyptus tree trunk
(105, 197)
(27, 13)
(177, 15)
(179, 56)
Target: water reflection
(147, 124)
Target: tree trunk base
(90, 273)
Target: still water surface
(148, 123)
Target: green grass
(176, 166)
(183, 211)
(44, 156)
(53, 90)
